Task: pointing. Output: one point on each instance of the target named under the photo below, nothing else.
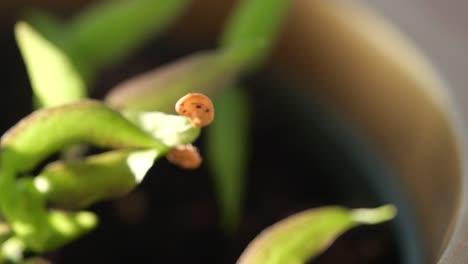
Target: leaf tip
(374, 216)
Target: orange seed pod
(197, 107)
(185, 156)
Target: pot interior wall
(391, 93)
(363, 67)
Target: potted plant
(345, 86)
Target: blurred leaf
(11, 250)
(53, 76)
(67, 226)
(172, 130)
(49, 130)
(5, 234)
(48, 26)
(79, 183)
(305, 235)
(255, 24)
(111, 30)
(24, 209)
(37, 229)
(205, 72)
(227, 153)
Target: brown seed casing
(197, 107)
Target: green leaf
(305, 235)
(79, 183)
(11, 250)
(172, 130)
(205, 72)
(255, 24)
(36, 228)
(53, 75)
(111, 30)
(24, 209)
(227, 153)
(49, 130)
(67, 226)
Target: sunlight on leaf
(72, 224)
(227, 153)
(12, 250)
(305, 235)
(34, 226)
(172, 130)
(24, 209)
(49, 130)
(79, 183)
(53, 76)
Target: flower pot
(364, 68)
(388, 90)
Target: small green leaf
(79, 183)
(111, 30)
(37, 229)
(172, 130)
(303, 236)
(255, 24)
(53, 76)
(227, 153)
(205, 72)
(49, 130)
(24, 209)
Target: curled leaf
(34, 226)
(303, 236)
(79, 183)
(48, 130)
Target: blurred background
(440, 30)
